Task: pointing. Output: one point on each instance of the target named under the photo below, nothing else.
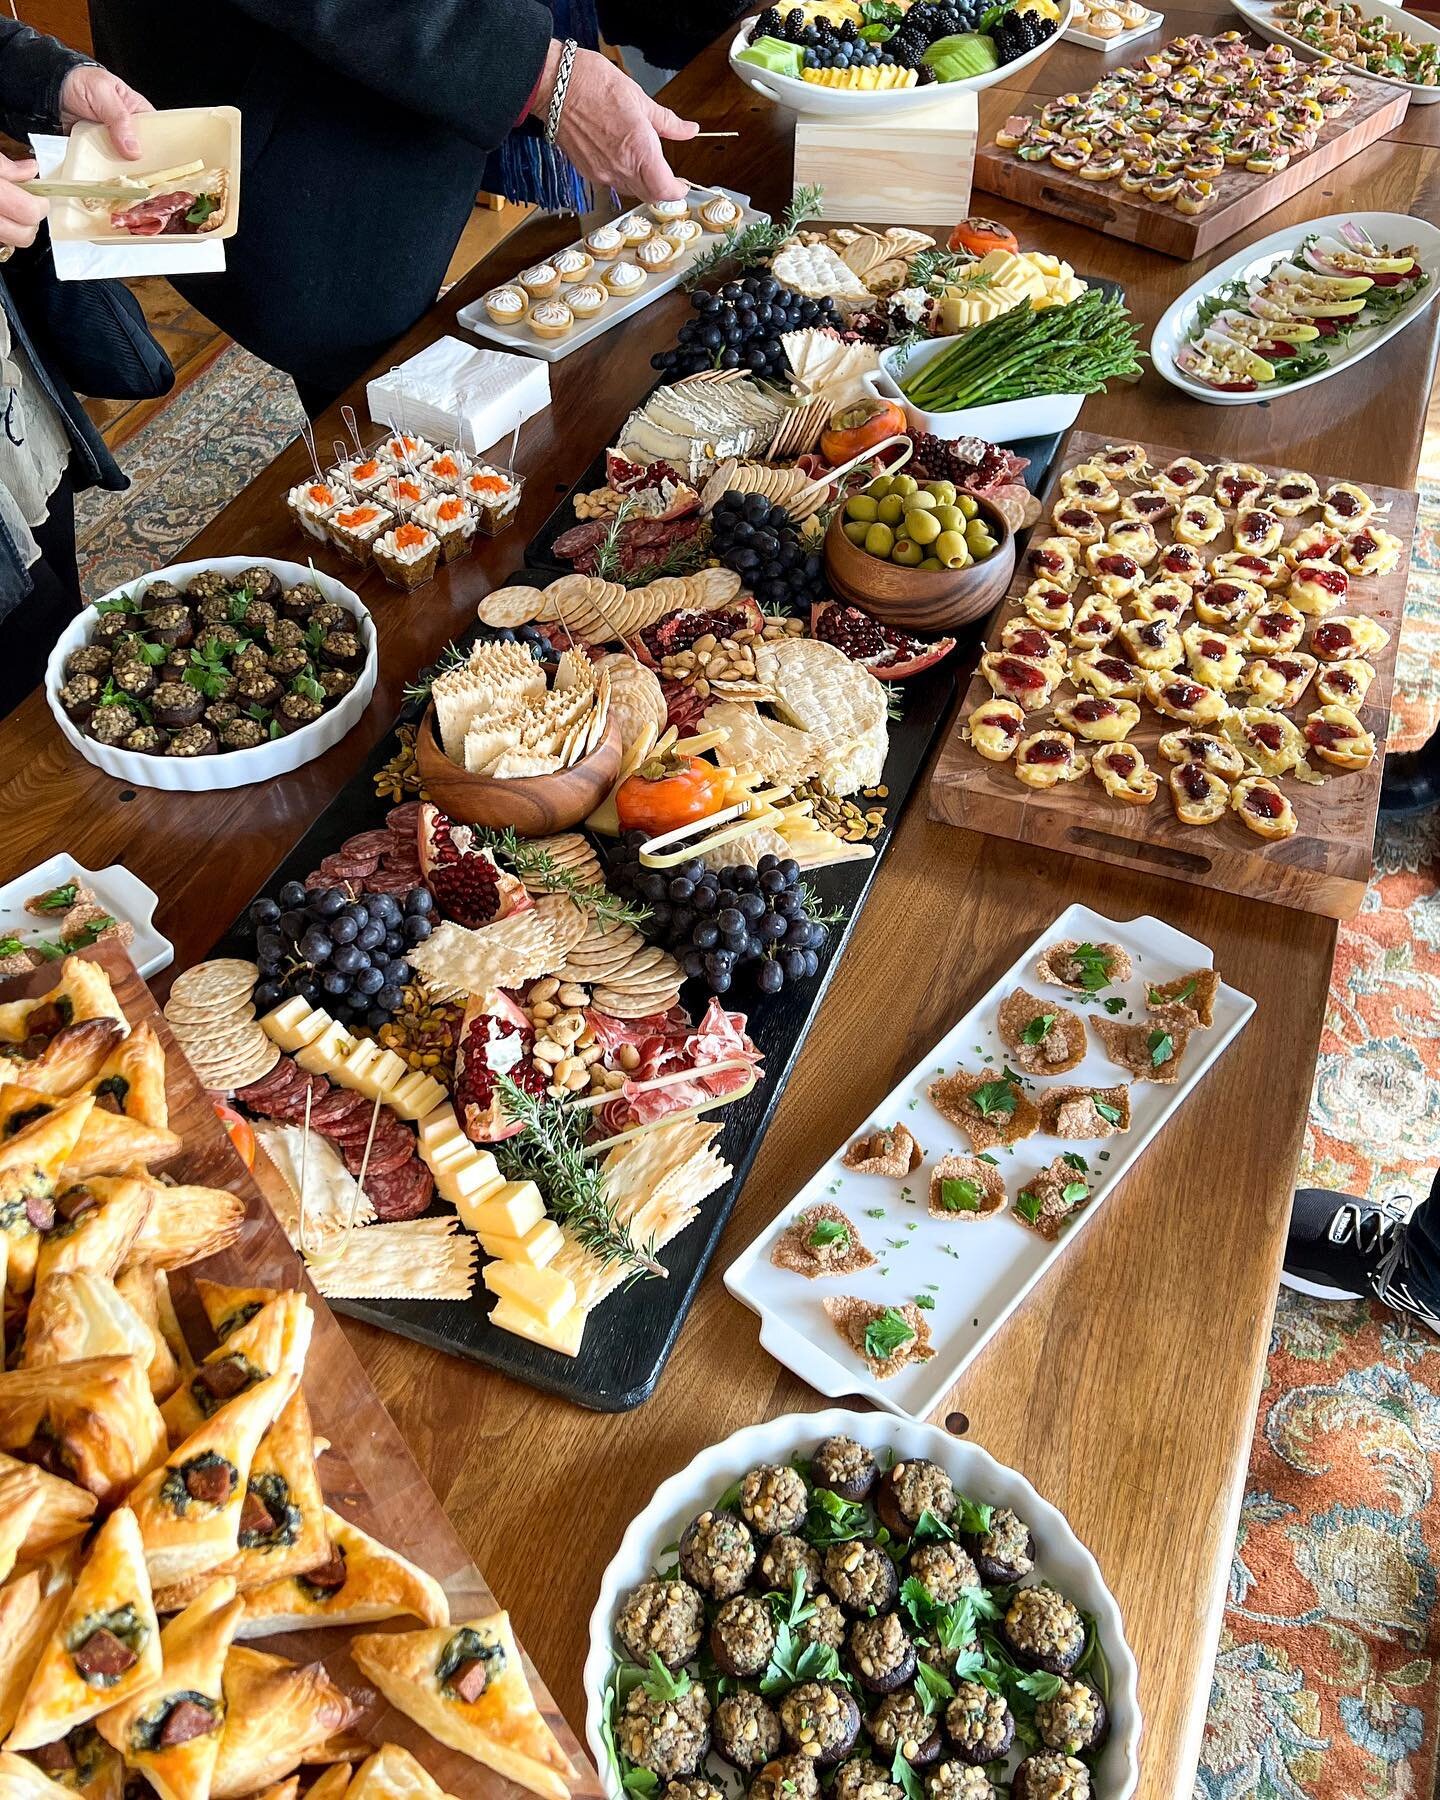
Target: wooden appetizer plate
(534, 804)
(368, 1474)
(1323, 868)
(1241, 197)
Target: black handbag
(92, 334)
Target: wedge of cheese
(538, 1246)
(357, 1064)
(510, 1210)
(540, 1292)
(468, 1183)
(564, 1335)
(383, 1075)
(289, 1023)
(324, 1054)
(415, 1095)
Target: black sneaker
(1341, 1248)
(1410, 782)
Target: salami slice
(281, 1076)
(580, 538)
(384, 1158)
(334, 1109)
(370, 844)
(405, 1194)
(403, 817)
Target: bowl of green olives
(919, 554)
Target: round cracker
(628, 1006)
(565, 921)
(511, 606)
(194, 1018)
(227, 1078)
(217, 980)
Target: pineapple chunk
(564, 1335)
(538, 1246)
(324, 1054)
(542, 1292)
(510, 1210)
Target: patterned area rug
(1327, 1685)
(184, 465)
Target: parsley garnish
(1115, 1004)
(994, 1098)
(1038, 1029)
(1076, 1161)
(975, 1516)
(886, 1334)
(905, 1776)
(1028, 1205)
(1074, 1192)
(660, 1684)
(1110, 1114)
(926, 1302)
(934, 1689)
(827, 1231)
(1161, 1047)
(832, 1520)
(1094, 967)
(59, 899)
(1157, 997)
(960, 1195)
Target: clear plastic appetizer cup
(495, 493)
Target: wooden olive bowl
(535, 805)
(934, 600)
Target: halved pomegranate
(468, 884)
(888, 654)
(677, 631)
(496, 1038)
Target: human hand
(90, 92)
(20, 213)
(611, 129)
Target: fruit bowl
(814, 101)
(535, 805)
(921, 599)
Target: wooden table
(1126, 1386)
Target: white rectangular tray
(614, 312)
(1076, 34)
(123, 895)
(981, 1268)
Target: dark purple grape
(316, 946)
(369, 981)
(266, 995)
(371, 936)
(769, 977)
(419, 901)
(344, 930)
(264, 911)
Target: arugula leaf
(205, 204)
(1161, 1047)
(986, 1157)
(58, 899)
(730, 1499)
(959, 1195)
(1028, 1205)
(10, 946)
(1076, 1161)
(89, 933)
(828, 1231)
(1111, 1114)
(49, 952)
(832, 1520)
(1074, 1192)
(886, 1334)
(996, 1098)
(1038, 1029)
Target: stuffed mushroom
(787, 1778)
(900, 1722)
(747, 1731)
(783, 1558)
(911, 1488)
(666, 1736)
(820, 1721)
(773, 1500)
(742, 1638)
(717, 1554)
(862, 1778)
(1049, 1776)
(1004, 1553)
(861, 1577)
(881, 1653)
(1043, 1630)
(1074, 1720)
(958, 1781)
(945, 1569)
(978, 1724)
(666, 1618)
(845, 1468)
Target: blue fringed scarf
(525, 167)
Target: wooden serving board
(1241, 197)
(1323, 868)
(368, 1475)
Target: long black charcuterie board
(629, 1337)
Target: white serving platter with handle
(979, 1269)
(1259, 15)
(816, 102)
(230, 768)
(1061, 1559)
(618, 308)
(1173, 331)
(123, 895)
(1005, 422)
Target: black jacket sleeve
(672, 35)
(32, 69)
(471, 65)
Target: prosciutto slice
(149, 218)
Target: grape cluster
(726, 923)
(761, 543)
(740, 327)
(339, 950)
(1017, 33)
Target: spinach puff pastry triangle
(274, 1342)
(106, 1646)
(189, 1508)
(171, 1731)
(30, 1163)
(21, 1780)
(466, 1685)
(361, 1583)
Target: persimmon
(855, 429)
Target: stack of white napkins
(174, 255)
(454, 393)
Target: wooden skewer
(700, 134)
(364, 1170)
(303, 1247)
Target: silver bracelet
(562, 83)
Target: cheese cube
(538, 1246)
(467, 1184)
(446, 1150)
(415, 1096)
(510, 1209)
(539, 1291)
(284, 1024)
(437, 1124)
(356, 1063)
(382, 1074)
(328, 1051)
(564, 1335)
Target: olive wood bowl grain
(535, 805)
(921, 599)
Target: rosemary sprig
(532, 864)
(607, 551)
(815, 912)
(942, 266)
(759, 239)
(550, 1151)
(451, 657)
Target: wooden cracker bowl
(535, 805)
(933, 600)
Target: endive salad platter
(1298, 307)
